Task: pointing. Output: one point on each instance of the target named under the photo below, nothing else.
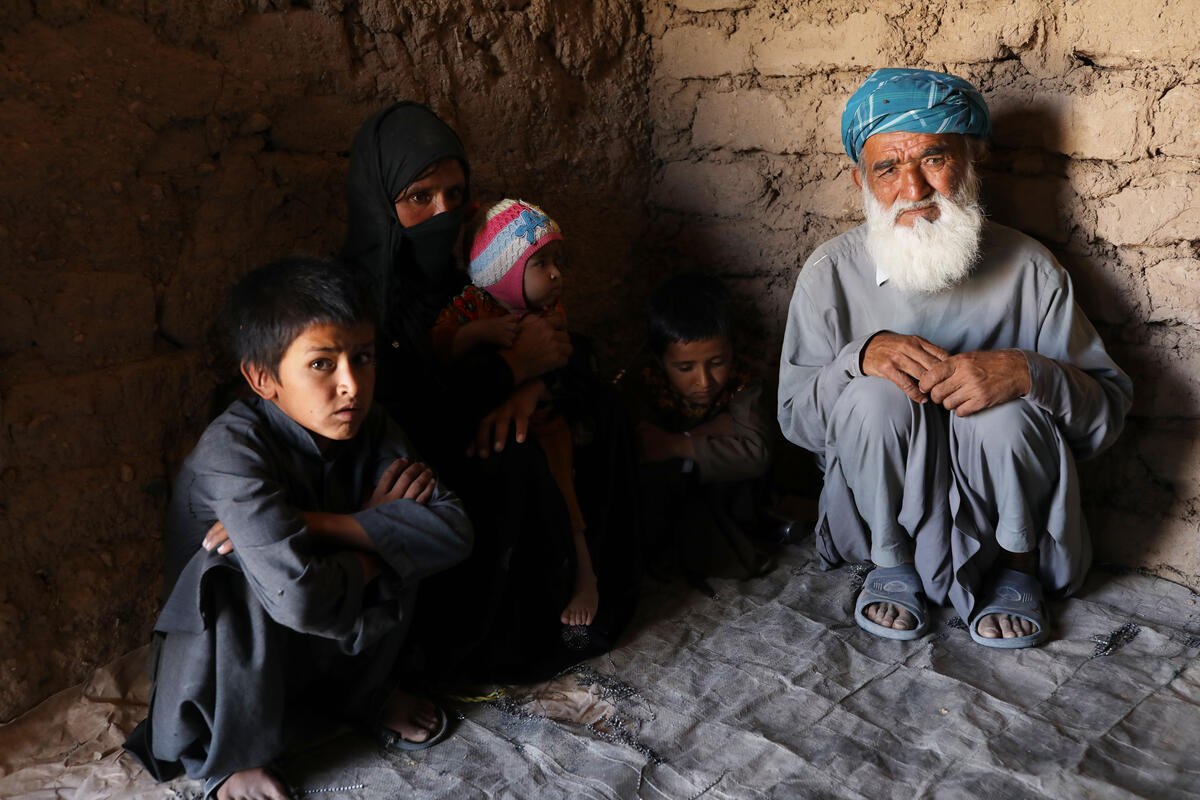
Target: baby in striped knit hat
(517, 261)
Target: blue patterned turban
(912, 101)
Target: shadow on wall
(1027, 188)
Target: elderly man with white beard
(939, 368)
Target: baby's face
(544, 276)
(698, 370)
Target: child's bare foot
(416, 719)
(584, 602)
(253, 784)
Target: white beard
(929, 257)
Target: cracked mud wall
(1095, 153)
(155, 152)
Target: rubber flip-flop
(1018, 594)
(392, 740)
(899, 585)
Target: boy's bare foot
(584, 602)
(890, 615)
(415, 718)
(253, 784)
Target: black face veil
(412, 269)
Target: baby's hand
(500, 331)
(402, 480)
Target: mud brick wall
(155, 152)
(1095, 153)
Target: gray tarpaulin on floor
(767, 691)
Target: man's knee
(1015, 427)
(873, 406)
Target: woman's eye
(419, 198)
(322, 364)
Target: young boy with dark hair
(297, 533)
(703, 435)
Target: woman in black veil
(497, 616)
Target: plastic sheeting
(768, 691)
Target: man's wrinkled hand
(903, 360)
(970, 382)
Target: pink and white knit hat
(512, 231)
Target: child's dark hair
(272, 305)
(688, 308)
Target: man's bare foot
(253, 784)
(890, 615)
(584, 602)
(1005, 626)
(1010, 626)
(415, 718)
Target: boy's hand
(217, 537)
(403, 481)
(515, 411)
(655, 444)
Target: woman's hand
(515, 411)
(542, 345)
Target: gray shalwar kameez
(902, 477)
(254, 643)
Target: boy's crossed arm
(401, 480)
(656, 444)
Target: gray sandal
(901, 586)
(1020, 595)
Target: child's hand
(655, 444)
(403, 481)
(217, 537)
(500, 331)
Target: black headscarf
(412, 269)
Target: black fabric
(495, 616)
(704, 530)
(412, 269)
(235, 695)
